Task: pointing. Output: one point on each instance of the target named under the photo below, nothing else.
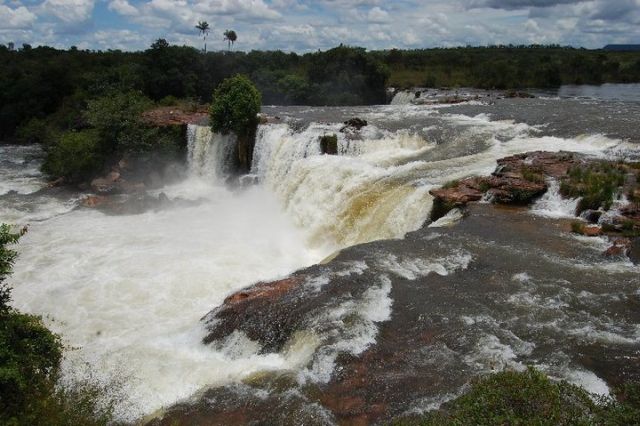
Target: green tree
(231, 37)
(203, 27)
(77, 155)
(235, 107)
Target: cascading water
(553, 205)
(358, 196)
(209, 155)
(403, 97)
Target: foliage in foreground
(30, 357)
(530, 398)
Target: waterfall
(403, 97)
(553, 205)
(365, 193)
(209, 155)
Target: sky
(304, 25)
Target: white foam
(350, 328)
(129, 291)
(413, 268)
(589, 381)
(450, 219)
(553, 205)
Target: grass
(532, 174)
(451, 184)
(577, 227)
(531, 398)
(596, 184)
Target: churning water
(127, 292)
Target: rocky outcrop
(176, 116)
(354, 124)
(241, 311)
(433, 341)
(518, 180)
(329, 144)
(511, 94)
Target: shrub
(235, 107)
(577, 227)
(329, 144)
(116, 116)
(35, 131)
(512, 398)
(75, 156)
(596, 184)
(531, 398)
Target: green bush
(531, 398)
(35, 131)
(235, 107)
(75, 156)
(596, 184)
(117, 115)
(144, 141)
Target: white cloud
(18, 18)
(378, 15)
(69, 11)
(123, 7)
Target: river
(128, 292)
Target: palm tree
(231, 37)
(203, 27)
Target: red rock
(270, 290)
(591, 231)
(93, 201)
(173, 116)
(620, 247)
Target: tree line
(43, 82)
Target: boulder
(354, 123)
(591, 231)
(104, 186)
(329, 144)
(250, 311)
(592, 216)
(620, 247)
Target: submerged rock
(329, 144)
(354, 123)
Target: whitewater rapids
(127, 292)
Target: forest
(44, 89)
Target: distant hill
(623, 47)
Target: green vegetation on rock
(76, 155)
(596, 184)
(531, 398)
(111, 128)
(329, 144)
(235, 107)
